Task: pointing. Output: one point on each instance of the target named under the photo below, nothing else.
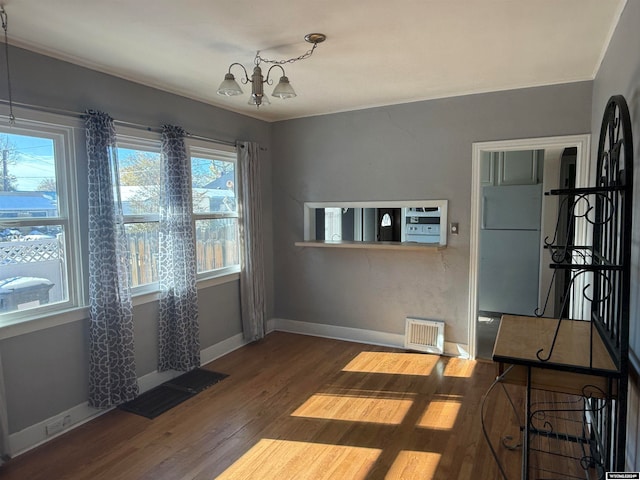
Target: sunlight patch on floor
(440, 414)
(411, 464)
(285, 459)
(459, 367)
(393, 363)
(353, 408)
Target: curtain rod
(81, 115)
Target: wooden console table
(520, 337)
(574, 369)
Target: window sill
(22, 326)
(372, 245)
(148, 296)
(220, 280)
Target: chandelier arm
(269, 81)
(246, 78)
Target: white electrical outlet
(55, 427)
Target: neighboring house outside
(28, 204)
(30, 258)
(211, 197)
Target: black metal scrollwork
(603, 207)
(604, 294)
(544, 416)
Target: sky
(30, 159)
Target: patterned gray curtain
(112, 371)
(179, 336)
(252, 283)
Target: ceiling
(376, 53)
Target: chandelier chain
(307, 54)
(4, 18)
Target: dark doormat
(196, 380)
(164, 397)
(156, 401)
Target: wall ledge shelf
(407, 246)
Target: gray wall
(46, 372)
(620, 74)
(405, 152)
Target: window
(40, 251)
(139, 174)
(38, 224)
(215, 208)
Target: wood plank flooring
(299, 407)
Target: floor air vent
(424, 335)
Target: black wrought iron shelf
(571, 257)
(586, 190)
(584, 351)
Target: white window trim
(215, 151)
(62, 130)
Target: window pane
(27, 177)
(32, 268)
(214, 189)
(139, 181)
(217, 243)
(142, 239)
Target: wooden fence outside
(212, 252)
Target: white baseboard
(271, 325)
(155, 378)
(357, 335)
(35, 435)
(213, 352)
(339, 333)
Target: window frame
(216, 151)
(132, 138)
(62, 131)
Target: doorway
(483, 334)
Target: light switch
(454, 228)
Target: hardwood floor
(299, 407)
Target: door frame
(583, 167)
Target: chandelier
(229, 86)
